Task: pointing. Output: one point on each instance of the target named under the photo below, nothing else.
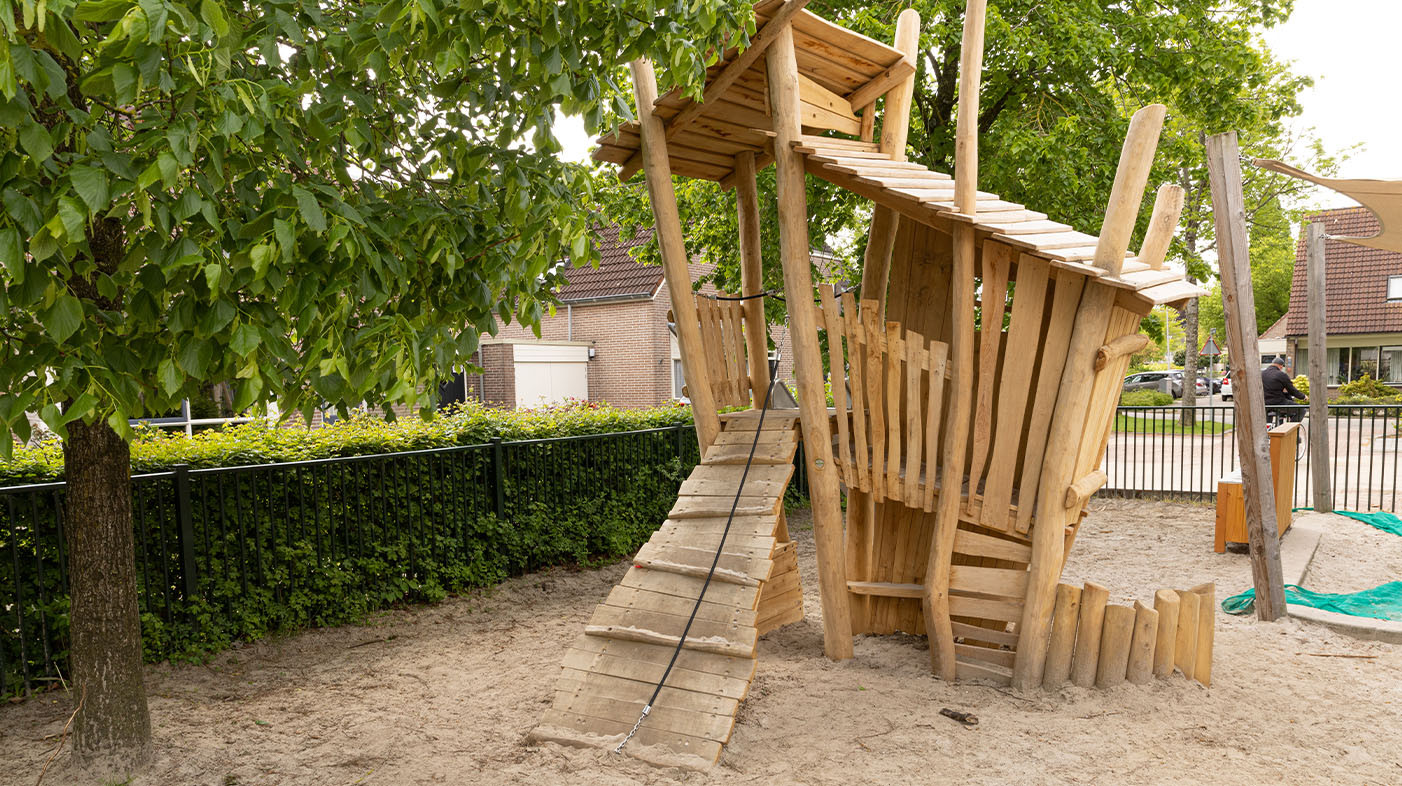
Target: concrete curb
(1296, 552)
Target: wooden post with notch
(808, 364)
(1318, 351)
(674, 259)
(935, 603)
(1239, 303)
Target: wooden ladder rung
(886, 589)
(976, 670)
(712, 644)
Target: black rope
(647, 708)
(838, 292)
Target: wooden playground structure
(974, 386)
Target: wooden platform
(611, 670)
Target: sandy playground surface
(447, 693)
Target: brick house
(1363, 303)
(607, 341)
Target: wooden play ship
(974, 384)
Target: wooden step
(717, 645)
(777, 420)
(706, 506)
(976, 633)
(670, 626)
(738, 542)
(688, 679)
(630, 598)
(730, 666)
(985, 608)
(626, 689)
(979, 545)
(988, 581)
(739, 454)
(767, 437)
(978, 670)
(985, 655)
(732, 569)
(763, 526)
(761, 480)
(662, 748)
(690, 587)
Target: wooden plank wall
(723, 326)
(1095, 644)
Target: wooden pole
(1239, 303)
(674, 259)
(1063, 636)
(1086, 661)
(752, 273)
(1168, 206)
(1136, 159)
(935, 603)
(895, 128)
(1319, 383)
(803, 333)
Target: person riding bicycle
(1280, 392)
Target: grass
(1168, 424)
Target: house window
(678, 380)
(1365, 361)
(1390, 367)
(1394, 288)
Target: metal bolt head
(818, 463)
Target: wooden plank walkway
(611, 670)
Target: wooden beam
(883, 82)
(739, 65)
(674, 257)
(1136, 157)
(752, 274)
(795, 256)
(1168, 206)
(1239, 303)
(1319, 402)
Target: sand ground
(447, 693)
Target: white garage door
(550, 373)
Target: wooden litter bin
(1231, 505)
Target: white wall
(550, 373)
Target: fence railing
(1152, 453)
(232, 551)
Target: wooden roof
(841, 73)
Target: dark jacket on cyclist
(1278, 387)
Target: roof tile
(1355, 279)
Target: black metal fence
(230, 552)
(1152, 453)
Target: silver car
(1154, 380)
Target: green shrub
(1367, 387)
(1302, 384)
(1145, 398)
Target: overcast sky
(1350, 48)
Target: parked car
(1201, 388)
(1154, 380)
(1226, 388)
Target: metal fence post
(498, 476)
(680, 430)
(185, 519)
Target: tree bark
(1190, 363)
(112, 730)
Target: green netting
(1383, 602)
(1381, 519)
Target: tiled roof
(618, 273)
(1355, 288)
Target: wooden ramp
(610, 671)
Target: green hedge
(156, 449)
(285, 547)
(1145, 398)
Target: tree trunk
(1190, 363)
(112, 731)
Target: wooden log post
(1065, 615)
(1168, 206)
(1239, 303)
(935, 604)
(895, 129)
(752, 274)
(1207, 631)
(1086, 660)
(675, 269)
(1116, 635)
(808, 365)
(1136, 159)
(1141, 649)
(1185, 648)
(1166, 604)
(1319, 399)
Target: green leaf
(91, 185)
(213, 15)
(101, 10)
(245, 340)
(36, 141)
(12, 254)
(169, 376)
(213, 272)
(310, 210)
(63, 318)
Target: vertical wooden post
(1319, 382)
(1239, 303)
(803, 332)
(1168, 206)
(674, 259)
(935, 603)
(895, 128)
(752, 274)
